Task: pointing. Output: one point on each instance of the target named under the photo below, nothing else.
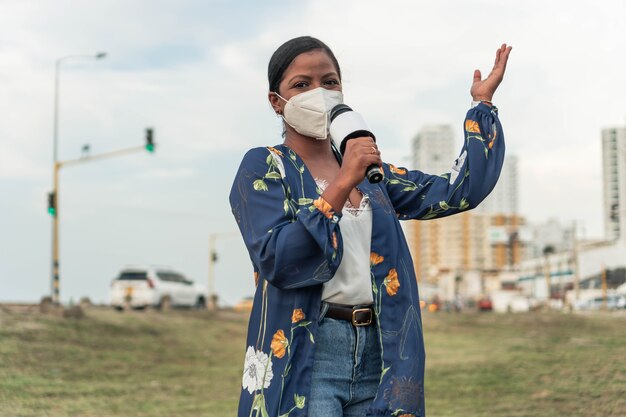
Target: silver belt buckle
(363, 323)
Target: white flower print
(456, 168)
(257, 365)
(279, 164)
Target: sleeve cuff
(327, 210)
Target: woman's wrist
(477, 100)
(336, 194)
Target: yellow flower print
(375, 259)
(334, 236)
(406, 415)
(323, 206)
(472, 126)
(495, 134)
(279, 344)
(391, 282)
(276, 151)
(256, 279)
(297, 315)
(395, 170)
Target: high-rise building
(504, 197)
(465, 242)
(487, 239)
(434, 150)
(614, 182)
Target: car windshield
(133, 276)
(171, 277)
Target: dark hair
(288, 51)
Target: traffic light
(149, 140)
(52, 203)
(615, 212)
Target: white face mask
(309, 112)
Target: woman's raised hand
(482, 90)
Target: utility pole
(547, 251)
(212, 297)
(53, 201)
(575, 262)
(213, 257)
(53, 197)
(604, 297)
(55, 233)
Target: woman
(335, 329)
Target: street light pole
(55, 174)
(212, 295)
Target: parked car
(150, 286)
(485, 304)
(504, 301)
(613, 302)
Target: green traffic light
(52, 204)
(149, 139)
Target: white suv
(154, 286)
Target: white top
(352, 283)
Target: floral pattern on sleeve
(416, 195)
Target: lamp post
(213, 257)
(55, 175)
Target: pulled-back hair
(288, 51)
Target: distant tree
(548, 250)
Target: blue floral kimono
(295, 243)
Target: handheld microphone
(346, 124)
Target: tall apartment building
(434, 149)
(467, 241)
(484, 239)
(504, 199)
(614, 182)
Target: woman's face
(307, 71)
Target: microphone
(346, 124)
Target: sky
(195, 71)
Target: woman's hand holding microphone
(360, 153)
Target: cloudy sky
(196, 72)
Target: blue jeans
(346, 369)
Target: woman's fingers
(502, 56)
(364, 149)
(360, 153)
(370, 153)
(505, 56)
(477, 76)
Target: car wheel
(200, 303)
(165, 304)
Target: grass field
(189, 364)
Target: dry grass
(189, 364)
(526, 365)
(121, 364)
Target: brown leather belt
(357, 315)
